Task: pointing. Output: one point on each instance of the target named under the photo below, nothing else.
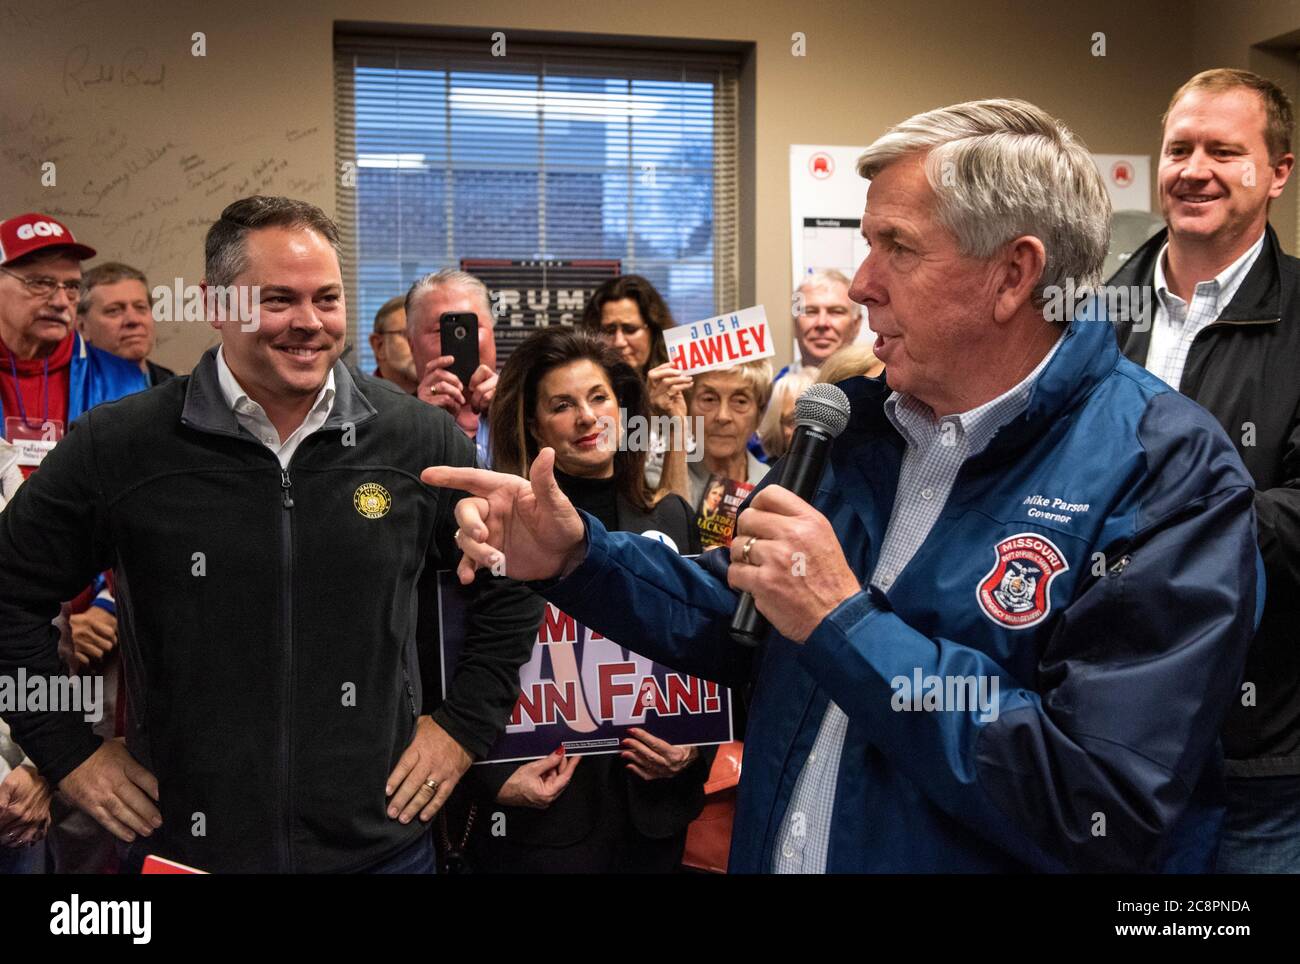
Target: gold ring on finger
(744, 550)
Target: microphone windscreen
(823, 406)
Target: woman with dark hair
(564, 389)
(630, 316)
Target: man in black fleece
(267, 528)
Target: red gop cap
(26, 233)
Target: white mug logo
(39, 229)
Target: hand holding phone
(459, 339)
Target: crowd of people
(244, 553)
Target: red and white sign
(1128, 180)
(733, 339)
(821, 165)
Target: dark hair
(651, 304)
(514, 406)
(223, 249)
(108, 273)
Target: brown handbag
(708, 838)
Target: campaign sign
(703, 346)
(586, 691)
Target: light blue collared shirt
(936, 451)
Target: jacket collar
(205, 406)
(1085, 354)
(1257, 301)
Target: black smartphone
(459, 330)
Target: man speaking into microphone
(1009, 623)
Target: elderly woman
(630, 316)
(729, 401)
(776, 427)
(563, 389)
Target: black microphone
(821, 414)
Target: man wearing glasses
(393, 359)
(48, 377)
(48, 374)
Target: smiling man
(826, 318)
(268, 530)
(1226, 332)
(1113, 635)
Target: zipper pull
(286, 487)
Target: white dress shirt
(253, 417)
(1177, 323)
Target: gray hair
(770, 432)
(224, 254)
(108, 273)
(449, 278)
(1001, 169)
(824, 278)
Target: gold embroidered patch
(372, 500)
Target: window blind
(447, 152)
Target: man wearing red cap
(48, 375)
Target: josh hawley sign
(720, 342)
(585, 691)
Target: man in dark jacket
(115, 313)
(267, 527)
(1214, 310)
(1014, 506)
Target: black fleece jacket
(267, 617)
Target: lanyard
(18, 391)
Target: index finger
(481, 482)
(774, 498)
(141, 777)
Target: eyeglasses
(628, 330)
(740, 404)
(835, 311)
(44, 287)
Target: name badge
(33, 443)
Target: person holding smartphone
(457, 371)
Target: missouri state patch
(1016, 592)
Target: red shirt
(42, 398)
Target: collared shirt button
(787, 849)
(927, 493)
(812, 757)
(268, 440)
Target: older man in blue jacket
(1009, 624)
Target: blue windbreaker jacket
(1098, 558)
(96, 376)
